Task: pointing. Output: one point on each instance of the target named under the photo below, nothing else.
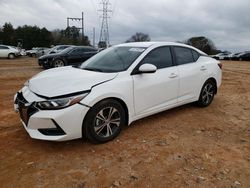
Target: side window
(62, 48)
(196, 55)
(183, 55)
(4, 47)
(160, 57)
(78, 51)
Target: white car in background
(9, 51)
(221, 56)
(56, 49)
(114, 88)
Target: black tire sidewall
(88, 125)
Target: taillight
(220, 65)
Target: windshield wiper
(93, 69)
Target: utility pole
(104, 34)
(93, 36)
(77, 19)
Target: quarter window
(196, 55)
(160, 57)
(183, 55)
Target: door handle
(203, 68)
(173, 75)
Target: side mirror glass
(147, 68)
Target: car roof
(149, 44)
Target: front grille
(25, 108)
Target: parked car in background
(221, 56)
(57, 49)
(244, 57)
(230, 56)
(237, 56)
(114, 88)
(36, 52)
(9, 51)
(73, 55)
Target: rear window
(183, 55)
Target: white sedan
(9, 51)
(112, 89)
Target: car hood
(66, 80)
(50, 56)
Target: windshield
(114, 59)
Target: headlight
(60, 103)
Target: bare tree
(139, 37)
(204, 44)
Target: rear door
(192, 73)
(156, 91)
(4, 51)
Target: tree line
(202, 43)
(33, 36)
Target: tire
(58, 63)
(33, 55)
(207, 94)
(104, 121)
(11, 56)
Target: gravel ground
(183, 147)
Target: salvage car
(71, 56)
(36, 52)
(114, 88)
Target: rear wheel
(11, 56)
(207, 94)
(104, 121)
(58, 63)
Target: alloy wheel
(107, 122)
(58, 63)
(207, 93)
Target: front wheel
(58, 63)
(207, 94)
(104, 121)
(11, 56)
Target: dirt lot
(183, 147)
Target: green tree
(8, 34)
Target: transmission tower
(104, 34)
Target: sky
(225, 22)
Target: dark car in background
(236, 57)
(244, 57)
(74, 55)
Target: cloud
(225, 22)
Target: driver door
(155, 91)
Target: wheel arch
(11, 53)
(124, 105)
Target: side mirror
(147, 68)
